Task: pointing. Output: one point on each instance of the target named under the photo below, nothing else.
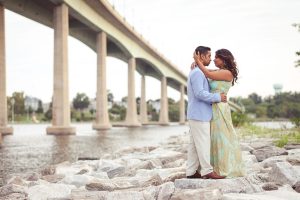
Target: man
(199, 114)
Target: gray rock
(174, 176)
(15, 196)
(101, 186)
(272, 160)
(292, 146)
(260, 144)
(17, 181)
(268, 151)
(77, 180)
(49, 170)
(53, 178)
(132, 195)
(112, 168)
(43, 192)
(88, 195)
(293, 159)
(246, 147)
(196, 194)
(236, 185)
(284, 173)
(165, 191)
(269, 195)
(270, 186)
(11, 188)
(296, 186)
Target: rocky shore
(158, 172)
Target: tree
(298, 52)
(110, 96)
(256, 99)
(19, 106)
(81, 101)
(40, 107)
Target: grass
(281, 136)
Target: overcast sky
(258, 32)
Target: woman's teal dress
(226, 156)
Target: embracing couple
(214, 150)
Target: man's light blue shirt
(199, 97)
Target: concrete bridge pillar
(61, 105)
(102, 117)
(4, 130)
(143, 104)
(131, 112)
(182, 106)
(164, 113)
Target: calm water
(275, 125)
(29, 148)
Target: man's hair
(202, 50)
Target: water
(275, 125)
(29, 148)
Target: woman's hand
(198, 60)
(193, 65)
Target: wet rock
(196, 194)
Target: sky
(259, 33)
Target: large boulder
(268, 151)
(43, 192)
(284, 173)
(196, 194)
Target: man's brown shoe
(196, 175)
(213, 175)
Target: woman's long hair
(229, 62)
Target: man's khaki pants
(199, 148)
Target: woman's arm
(219, 75)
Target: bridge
(97, 24)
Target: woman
(226, 155)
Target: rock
(101, 186)
(15, 196)
(163, 173)
(88, 195)
(110, 167)
(77, 180)
(272, 160)
(53, 178)
(11, 189)
(176, 163)
(270, 186)
(83, 171)
(292, 146)
(284, 173)
(296, 186)
(268, 151)
(66, 168)
(294, 152)
(269, 195)
(236, 185)
(32, 177)
(49, 170)
(293, 159)
(165, 191)
(100, 175)
(174, 176)
(147, 181)
(246, 147)
(132, 195)
(196, 194)
(43, 192)
(260, 144)
(17, 181)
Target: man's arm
(197, 85)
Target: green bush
(296, 121)
(239, 119)
(282, 141)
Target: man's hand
(223, 97)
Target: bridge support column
(102, 117)
(131, 112)
(182, 106)
(164, 113)
(143, 107)
(4, 130)
(61, 105)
